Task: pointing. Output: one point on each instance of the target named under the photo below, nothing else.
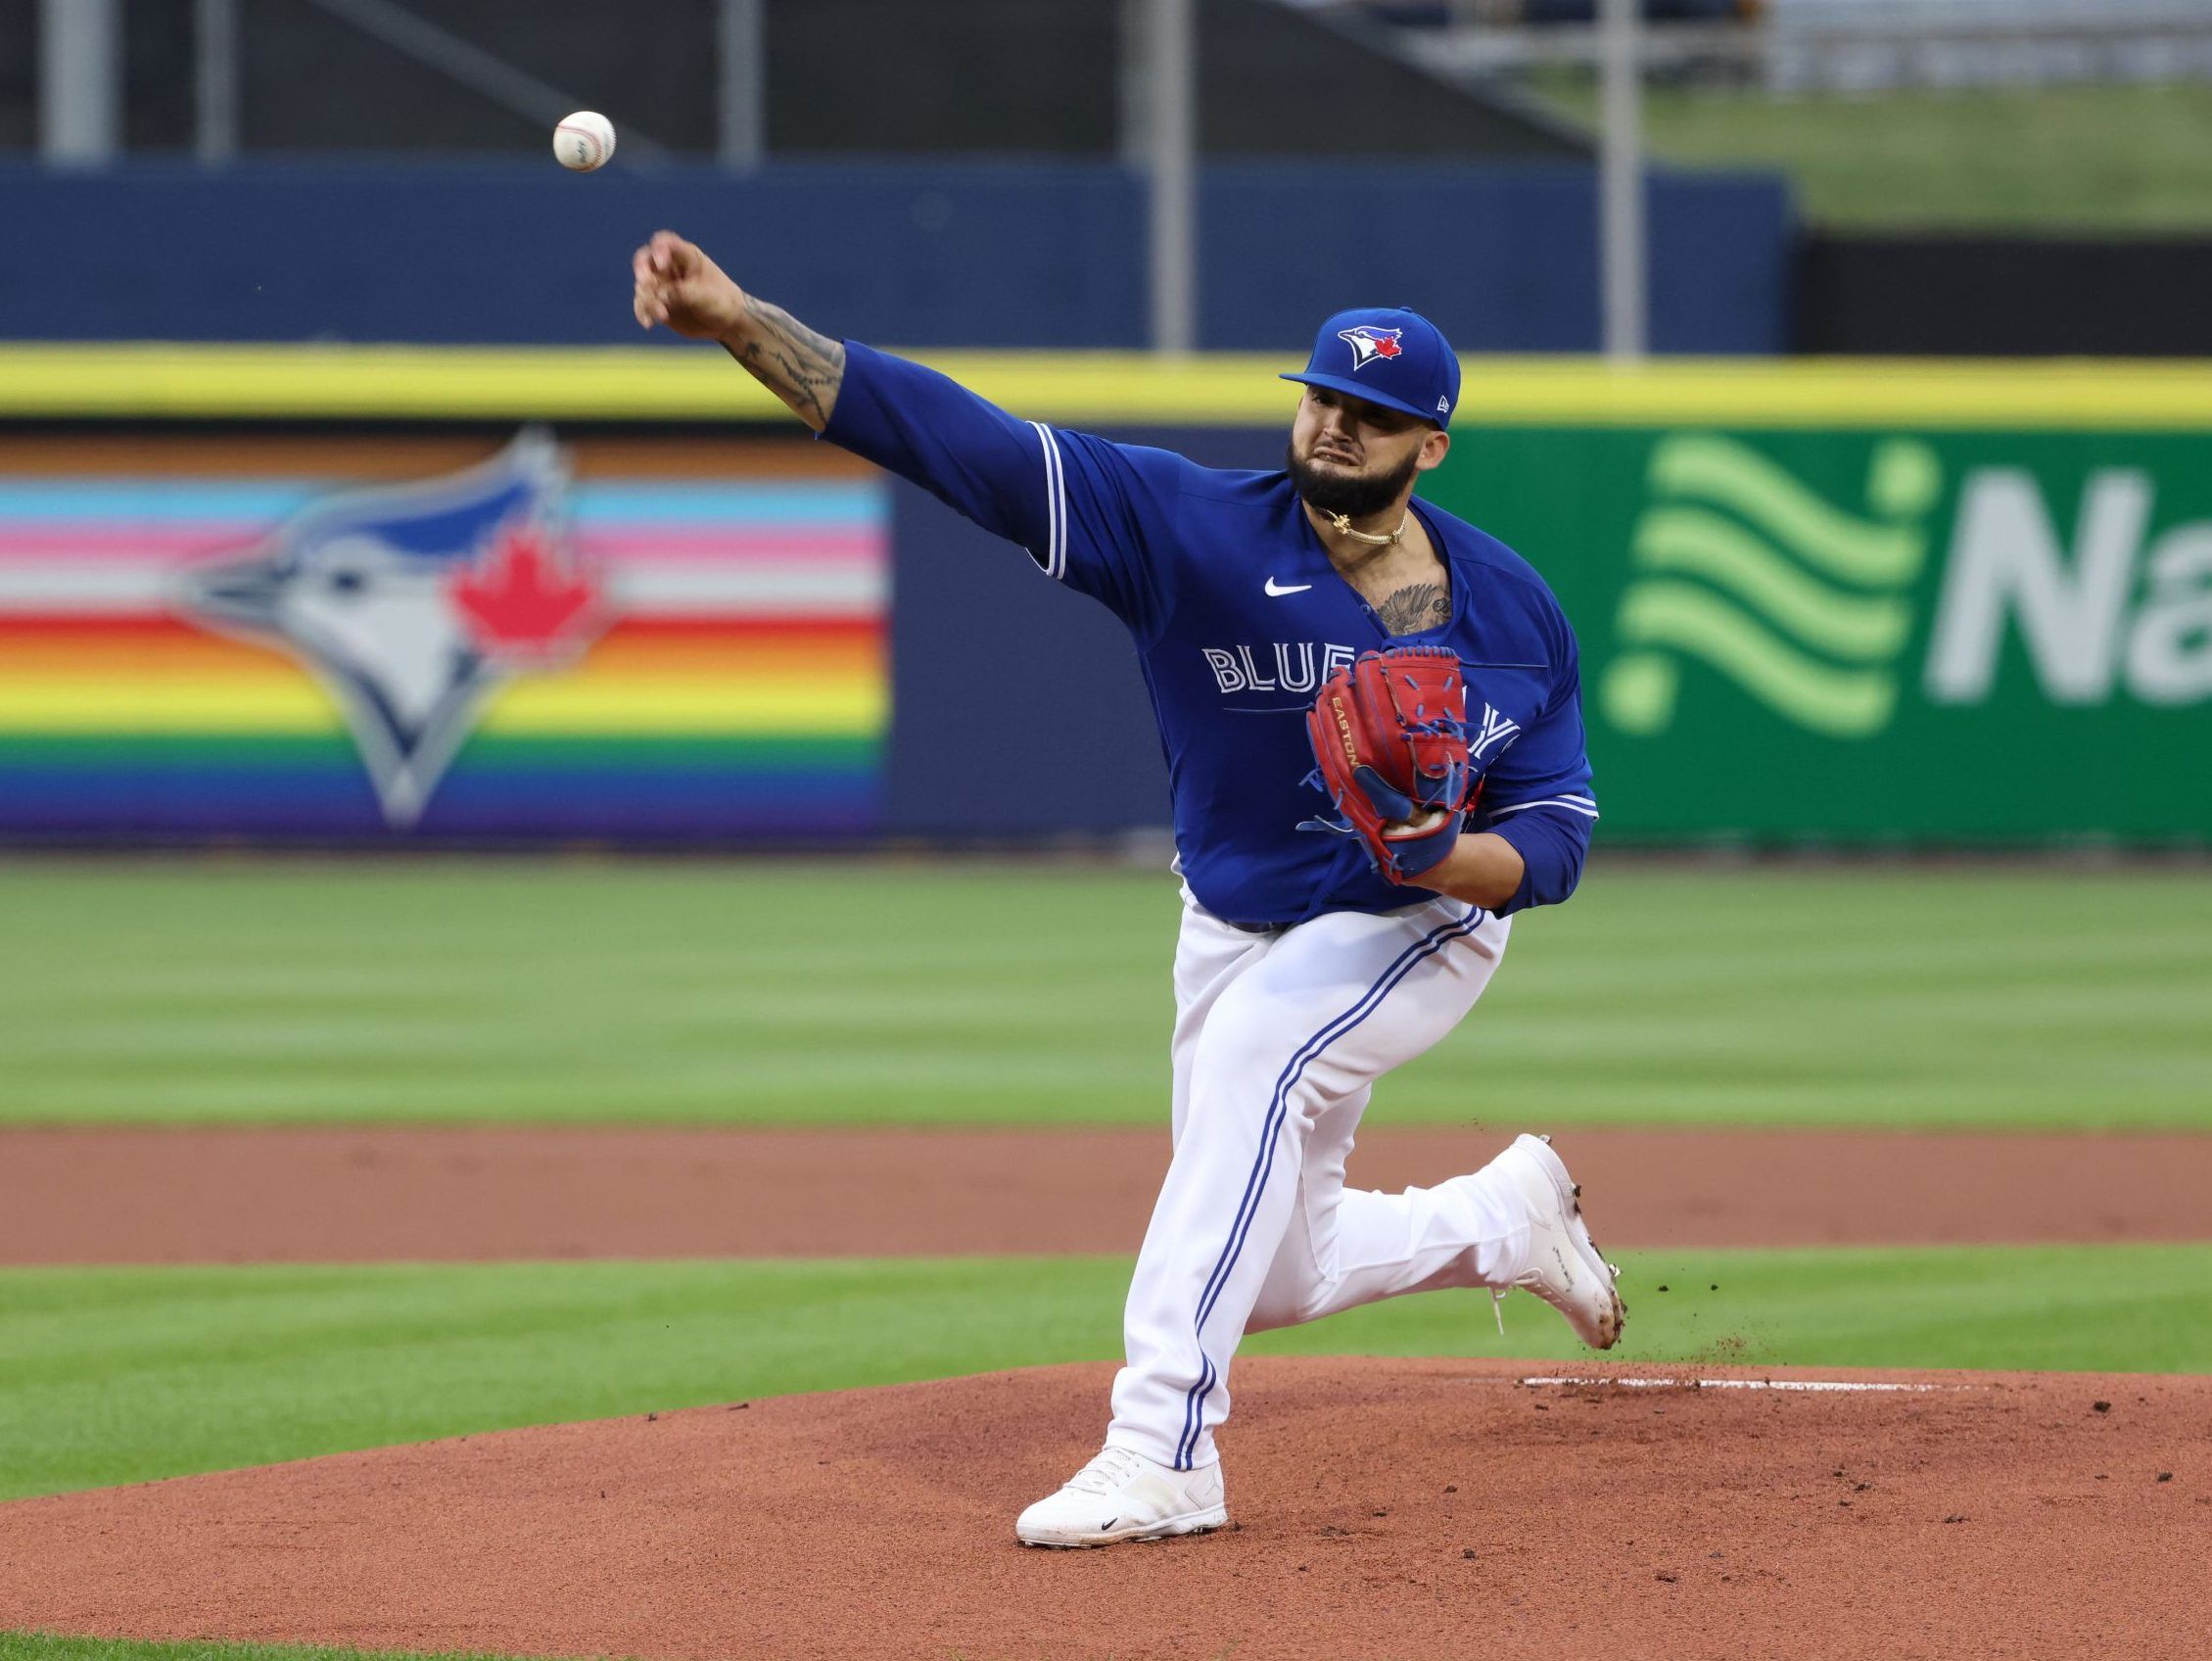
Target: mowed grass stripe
(54, 1646)
(123, 1375)
(874, 992)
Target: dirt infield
(338, 1196)
(1438, 1510)
(1383, 1509)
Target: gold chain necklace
(1343, 523)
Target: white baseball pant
(1278, 1040)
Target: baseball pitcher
(1374, 738)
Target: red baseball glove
(1390, 733)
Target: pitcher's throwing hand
(676, 285)
(679, 288)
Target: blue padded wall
(1015, 254)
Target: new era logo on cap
(1369, 342)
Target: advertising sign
(1869, 635)
(403, 637)
(267, 592)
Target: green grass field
(2081, 157)
(182, 992)
(50, 1646)
(872, 993)
(123, 1375)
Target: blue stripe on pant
(1255, 1184)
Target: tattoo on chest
(1414, 607)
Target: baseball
(583, 141)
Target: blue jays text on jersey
(1239, 615)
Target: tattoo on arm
(801, 367)
(1414, 607)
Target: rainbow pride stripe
(741, 689)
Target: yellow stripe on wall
(678, 384)
(577, 705)
(290, 703)
(164, 703)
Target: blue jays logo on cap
(1369, 342)
(1400, 359)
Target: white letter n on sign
(2006, 560)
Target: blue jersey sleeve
(1092, 513)
(1537, 794)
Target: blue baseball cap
(1387, 356)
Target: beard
(1353, 495)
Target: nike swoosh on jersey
(1277, 593)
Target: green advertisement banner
(1866, 637)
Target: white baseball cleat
(1565, 1268)
(1124, 1495)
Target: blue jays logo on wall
(1369, 342)
(413, 603)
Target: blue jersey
(1237, 615)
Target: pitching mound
(1384, 1508)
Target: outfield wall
(1006, 253)
(396, 596)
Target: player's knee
(1273, 1311)
(1258, 1079)
(1239, 1060)
(1289, 1305)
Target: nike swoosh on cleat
(1277, 591)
